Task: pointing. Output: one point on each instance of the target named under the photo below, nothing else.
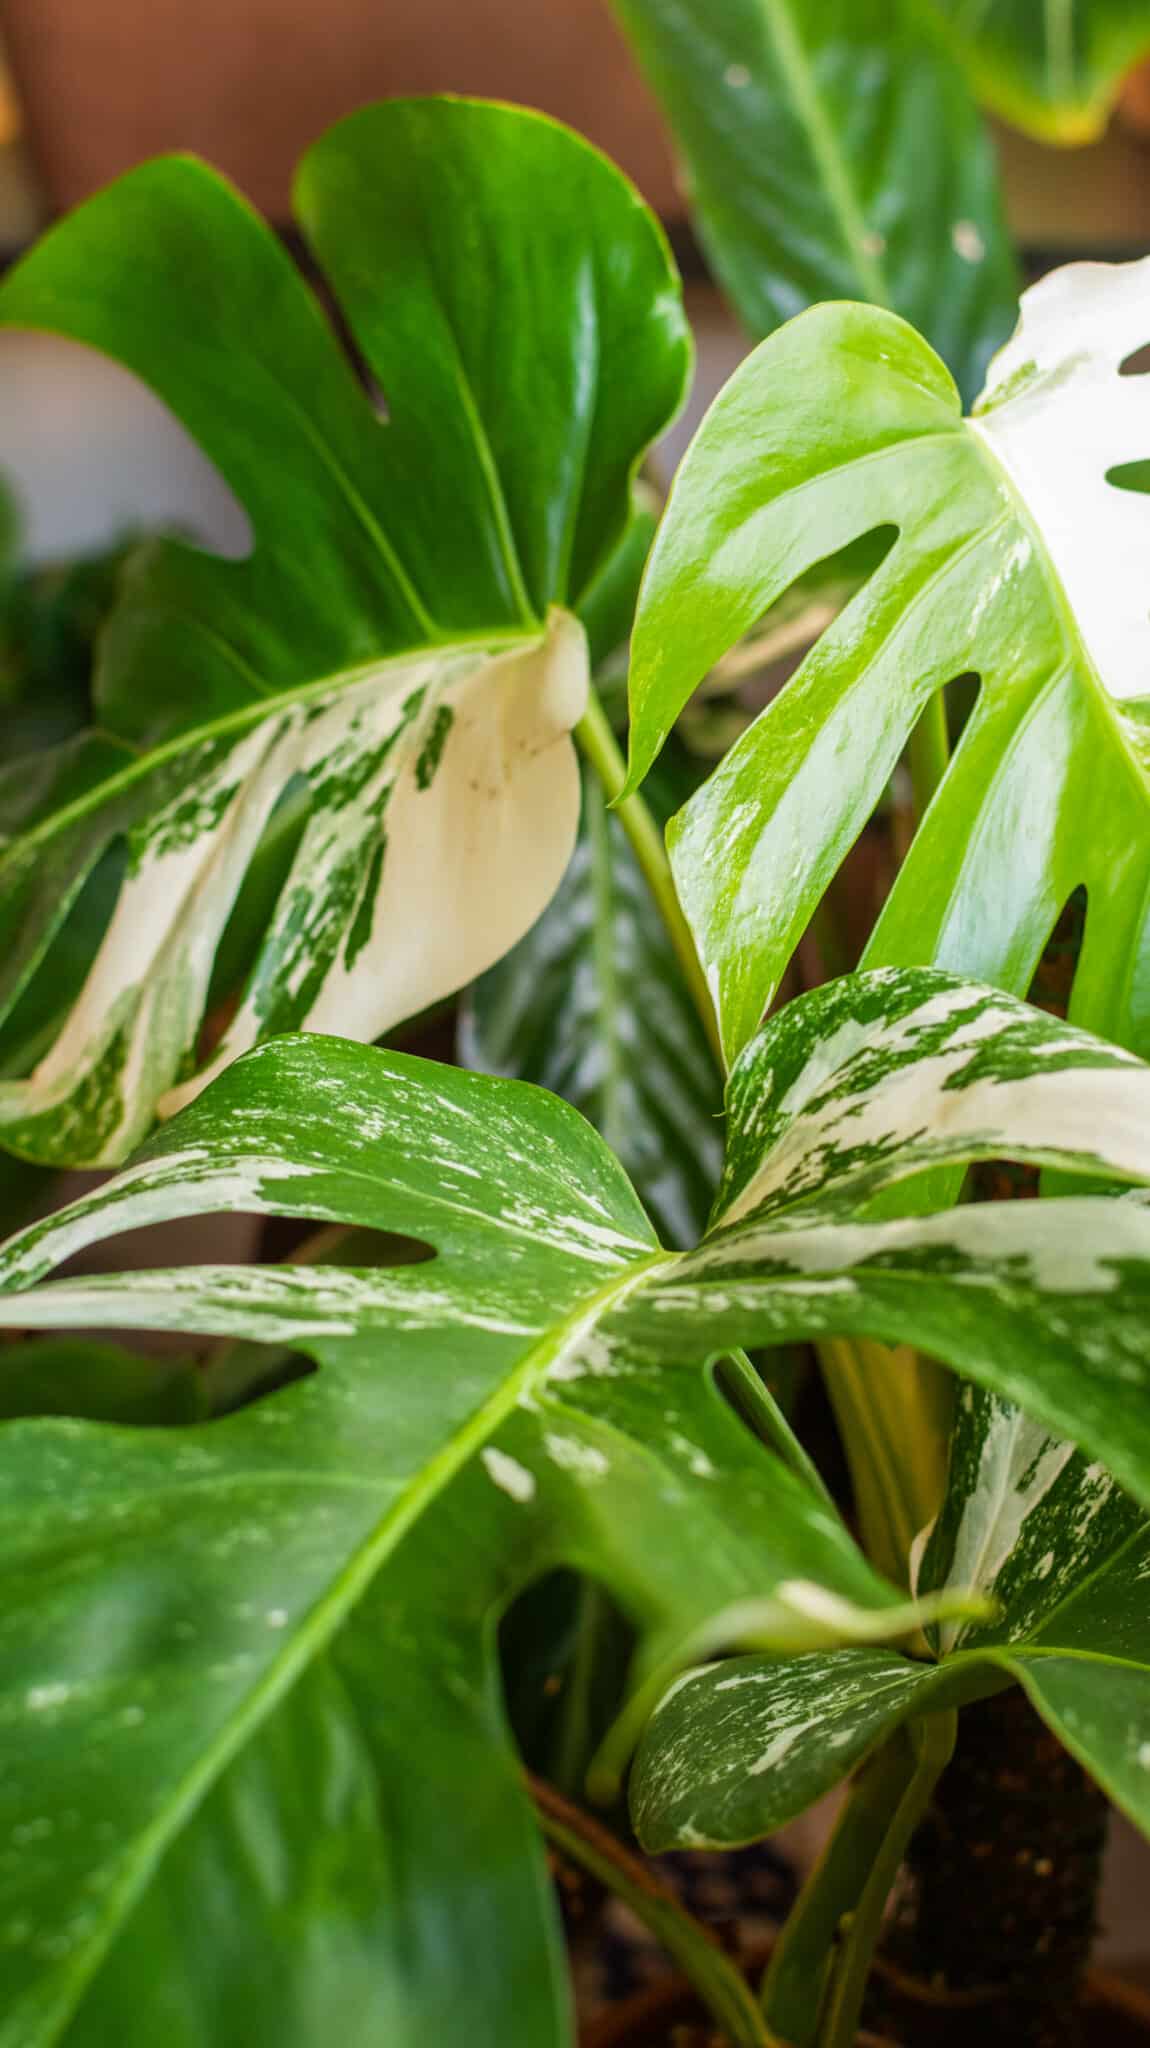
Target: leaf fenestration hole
(93, 453)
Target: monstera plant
(400, 640)
(260, 1781)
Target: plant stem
(601, 749)
(893, 1408)
(933, 1740)
(928, 752)
(719, 1984)
(795, 1981)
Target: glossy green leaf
(832, 150)
(1015, 558)
(1053, 71)
(529, 1397)
(592, 1004)
(398, 640)
(170, 1589)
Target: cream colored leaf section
(1057, 414)
(444, 801)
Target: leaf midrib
(327, 1614)
(830, 161)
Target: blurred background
(85, 92)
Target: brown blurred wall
(248, 83)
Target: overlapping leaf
(169, 1590)
(1018, 556)
(185, 1608)
(592, 1004)
(390, 648)
(1054, 71)
(765, 1737)
(832, 150)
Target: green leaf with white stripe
(528, 1397)
(1018, 556)
(1053, 71)
(1026, 1519)
(735, 1749)
(799, 182)
(399, 645)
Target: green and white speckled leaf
(399, 645)
(874, 1078)
(1054, 71)
(737, 1748)
(1026, 1519)
(169, 1590)
(529, 1396)
(1015, 558)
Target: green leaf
(170, 1589)
(1015, 558)
(398, 639)
(1053, 71)
(592, 1004)
(528, 1398)
(735, 1750)
(832, 150)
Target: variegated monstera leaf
(253, 1661)
(1018, 547)
(340, 780)
(738, 1748)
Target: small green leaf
(735, 1750)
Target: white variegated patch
(1070, 1247)
(1057, 415)
(963, 1074)
(444, 804)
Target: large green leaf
(1015, 557)
(1052, 70)
(833, 151)
(392, 642)
(170, 1589)
(592, 1004)
(186, 1609)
